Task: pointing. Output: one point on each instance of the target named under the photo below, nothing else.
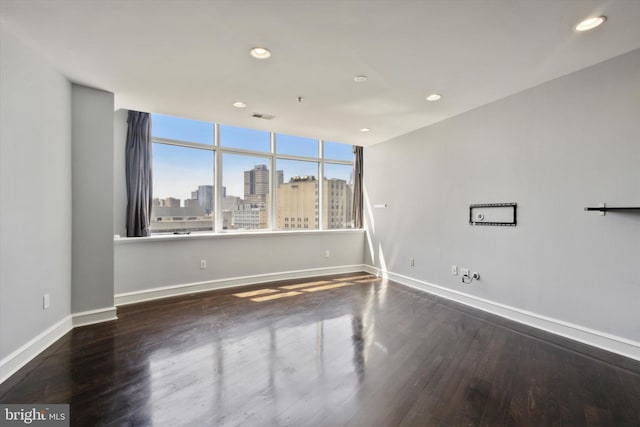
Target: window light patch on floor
(305, 285)
(269, 294)
(276, 296)
(254, 293)
(325, 287)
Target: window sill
(228, 235)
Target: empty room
(319, 213)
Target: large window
(245, 191)
(244, 139)
(338, 185)
(185, 130)
(211, 177)
(338, 196)
(183, 179)
(297, 195)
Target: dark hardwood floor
(350, 350)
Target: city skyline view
(184, 187)
(178, 170)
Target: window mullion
(219, 220)
(273, 184)
(179, 143)
(321, 186)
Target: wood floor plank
(373, 354)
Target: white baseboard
(23, 355)
(10, 364)
(190, 288)
(602, 340)
(94, 316)
(20, 357)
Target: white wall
(35, 194)
(148, 263)
(553, 149)
(144, 264)
(93, 169)
(119, 173)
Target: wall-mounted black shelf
(613, 208)
(603, 208)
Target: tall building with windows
(247, 217)
(169, 202)
(256, 184)
(279, 178)
(204, 196)
(297, 204)
(338, 200)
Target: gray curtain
(357, 187)
(138, 170)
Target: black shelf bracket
(603, 208)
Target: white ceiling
(190, 58)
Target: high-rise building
(338, 200)
(248, 217)
(297, 204)
(172, 202)
(231, 203)
(189, 203)
(204, 195)
(256, 184)
(168, 202)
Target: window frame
(271, 156)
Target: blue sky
(179, 170)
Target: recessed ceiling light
(360, 79)
(239, 104)
(365, 130)
(260, 52)
(590, 23)
(434, 97)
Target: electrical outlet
(45, 301)
(327, 253)
(464, 271)
(412, 262)
(203, 264)
(454, 270)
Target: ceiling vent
(263, 116)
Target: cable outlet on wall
(464, 271)
(45, 301)
(454, 270)
(203, 264)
